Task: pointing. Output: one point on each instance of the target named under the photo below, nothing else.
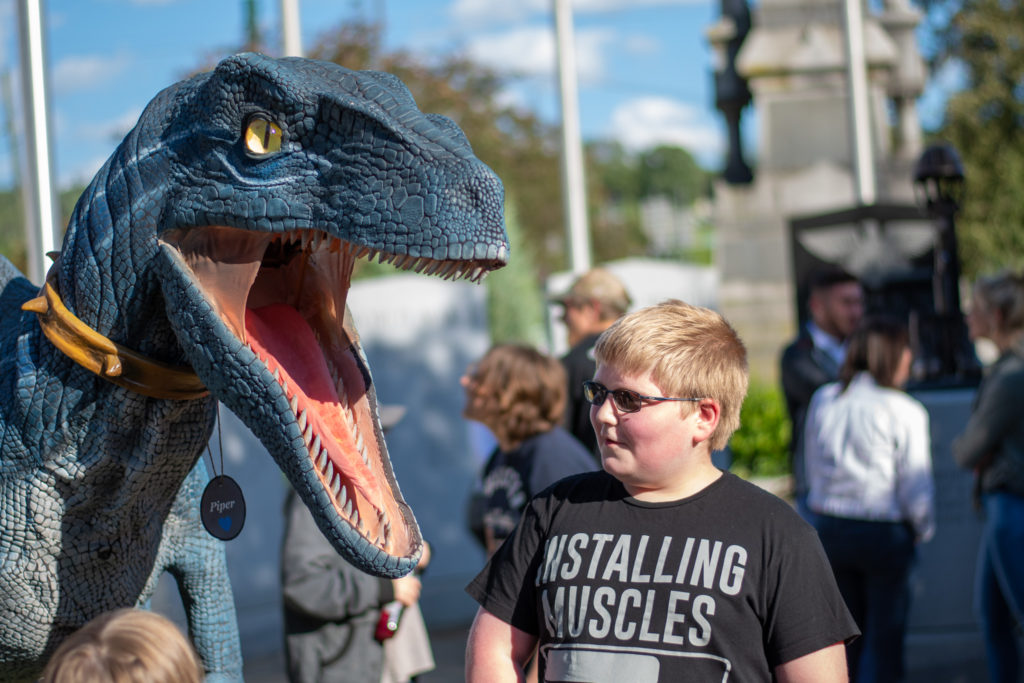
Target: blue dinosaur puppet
(209, 260)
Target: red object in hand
(390, 615)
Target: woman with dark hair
(518, 393)
(992, 445)
(869, 475)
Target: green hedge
(760, 447)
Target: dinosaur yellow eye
(262, 136)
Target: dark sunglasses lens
(594, 393)
(626, 401)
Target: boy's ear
(708, 413)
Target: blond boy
(661, 567)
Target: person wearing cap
(594, 301)
(332, 609)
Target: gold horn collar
(111, 361)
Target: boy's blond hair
(690, 352)
(125, 646)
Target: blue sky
(644, 64)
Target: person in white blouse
(869, 475)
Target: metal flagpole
(573, 186)
(860, 112)
(291, 35)
(41, 213)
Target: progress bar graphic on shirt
(579, 663)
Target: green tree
(515, 301)
(760, 447)
(12, 223)
(984, 122)
(620, 182)
(671, 172)
(12, 229)
(613, 193)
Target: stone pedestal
(795, 62)
(943, 630)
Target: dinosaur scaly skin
(221, 235)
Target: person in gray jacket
(992, 445)
(332, 609)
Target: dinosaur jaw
(283, 296)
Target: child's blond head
(125, 646)
(689, 351)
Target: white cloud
(489, 12)
(612, 5)
(82, 174)
(103, 136)
(85, 72)
(107, 133)
(530, 51)
(646, 122)
(526, 50)
(115, 129)
(640, 44)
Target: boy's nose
(604, 413)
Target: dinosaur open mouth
(283, 295)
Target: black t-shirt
(512, 478)
(721, 586)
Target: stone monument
(793, 60)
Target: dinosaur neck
(109, 360)
(104, 276)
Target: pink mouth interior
(280, 334)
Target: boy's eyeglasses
(625, 401)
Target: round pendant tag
(223, 508)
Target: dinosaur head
(277, 176)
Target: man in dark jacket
(835, 304)
(593, 302)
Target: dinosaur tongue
(280, 335)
